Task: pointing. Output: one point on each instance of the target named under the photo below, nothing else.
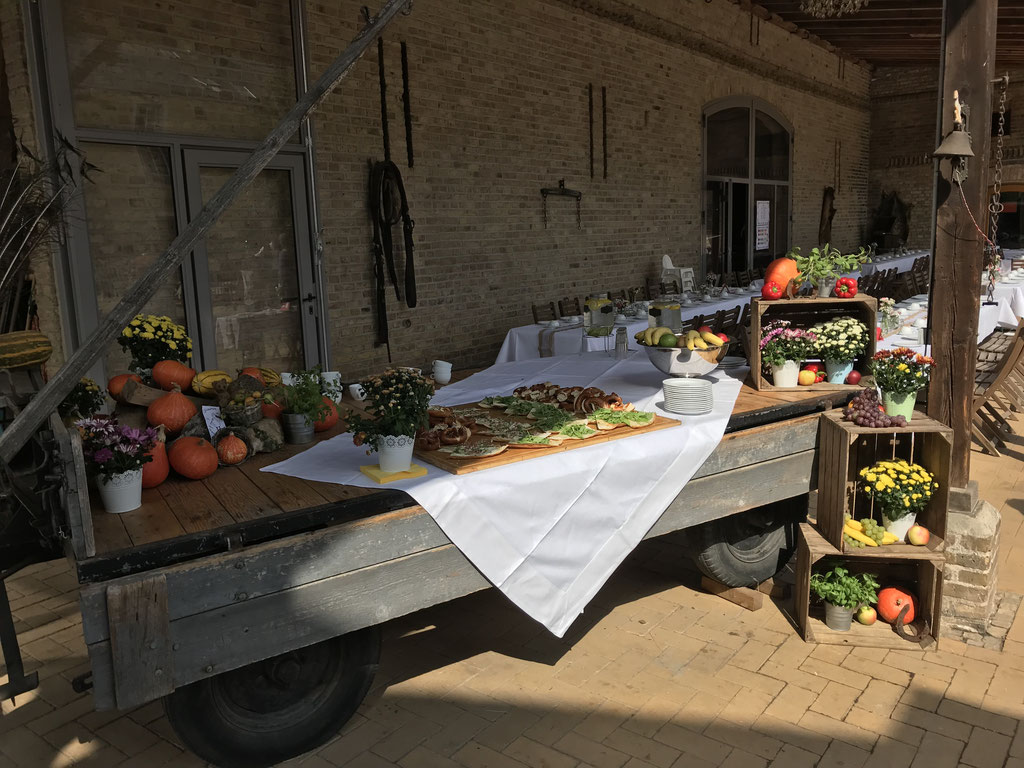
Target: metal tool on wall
(561, 191)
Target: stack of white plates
(732, 361)
(688, 396)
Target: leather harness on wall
(388, 204)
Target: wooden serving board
(443, 461)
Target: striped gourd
(19, 349)
(203, 382)
(270, 377)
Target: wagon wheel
(277, 708)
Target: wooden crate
(920, 571)
(844, 449)
(803, 313)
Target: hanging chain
(579, 214)
(995, 207)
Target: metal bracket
(561, 191)
(17, 681)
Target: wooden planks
(140, 644)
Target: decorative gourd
(272, 410)
(270, 377)
(256, 373)
(173, 410)
(329, 419)
(203, 383)
(231, 450)
(155, 470)
(167, 373)
(781, 271)
(193, 457)
(891, 601)
(116, 384)
(23, 348)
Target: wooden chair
(744, 277)
(569, 307)
(988, 424)
(656, 287)
(543, 312)
(726, 321)
(637, 294)
(618, 295)
(1016, 263)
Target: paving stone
(890, 753)
(937, 751)
(986, 749)
(842, 755)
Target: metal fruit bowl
(685, 363)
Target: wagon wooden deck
(246, 565)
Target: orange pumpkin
(193, 457)
(167, 373)
(781, 271)
(329, 419)
(155, 470)
(116, 384)
(272, 410)
(256, 373)
(173, 410)
(891, 601)
(231, 449)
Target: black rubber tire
(232, 720)
(750, 547)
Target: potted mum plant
(396, 402)
(82, 401)
(303, 405)
(839, 342)
(901, 490)
(152, 338)
(784, 349)
(116, 453)
(843, 592)
(900, 373)
(823, 265)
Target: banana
(889, 538)
(647, 337)
(639, 335)
(698, 342)
(710, 338)
(855, 524)
(690, 336)
(658, 333)
(859, 536)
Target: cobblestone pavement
(656, 674)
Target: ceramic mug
(442, 371)
(357, 391)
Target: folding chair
(991, 388)
(543, 312)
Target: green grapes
(852, 542)
(873, 530)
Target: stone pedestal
(972, 543)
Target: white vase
(394, 453)
(900, 527)
(121, 492)
(787, 374)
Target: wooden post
(968, 60)
(50, 396)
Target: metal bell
(956, 144)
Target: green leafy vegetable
(843, 589)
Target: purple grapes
(864, 411)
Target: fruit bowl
(685, 363)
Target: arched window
(747, 184)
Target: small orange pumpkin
(116, 384)
(781, 271)
(256, 373)
(193, 457)
(891, 601)
(167, 373)
(329, 419)
(231, 449)
(272, 410)
(155, 470)
(173, 410)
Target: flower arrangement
(780, 342)
(151, 338)
(898, 487)
(888, 315)
(900, 371)
(397, 401)
(841, 339)
(112, 448)
(83, 401)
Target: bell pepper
(771, 290)
(846, 287)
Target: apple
(805, 378)
(705, 329)
(812, 367)
(866, 615)
(918, 535)
(853, 377)
(722, 336)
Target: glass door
(255, 291)
(726, 229)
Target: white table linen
(884, 261)
(989, 318)
(549, 532)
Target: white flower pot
(787, 374)
(121, 492)
(394, 453)
(900, 527)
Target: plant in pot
(900, 373)
(822, 266)
(901, 490)
(84, 400)
(150, 339)
(303, 405)
(843, 592)
(783, 349)
(116, 453)
(839, 342)
(396, 404)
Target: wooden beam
(969, 35)
(44, 403)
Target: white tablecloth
(883, 262)
(1012, 293)
(530, 342)
(989, 318)
(550, 531)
